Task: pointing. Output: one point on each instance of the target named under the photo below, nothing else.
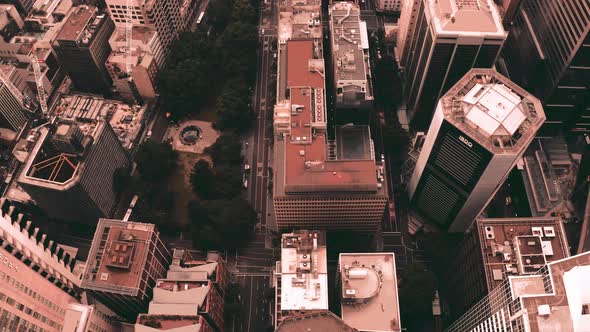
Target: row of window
(20, 286)
(14, 323)
(12, 302)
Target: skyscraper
(124, 262)
(480, 129)
(12, 113)
(448, 37)
(69, 169)
(553, 299)
(82, 46)
(548, 53)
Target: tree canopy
(203, 180)
(233, 108)
(155, 161)
(223, 223)
(226, 150)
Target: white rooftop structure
(493, 111)
(304, 278)
(369, 291)
(466, 17)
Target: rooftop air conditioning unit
(489, 231)
(104, 276)
(537, 231)
(549, 231)
(544, 310)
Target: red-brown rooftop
(76, 23)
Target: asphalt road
(255, 314)
(258, 143)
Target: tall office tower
(168, 17)
(301, 276)
(494, 249)
(189, 298)
(367, 285)
(10, 22)
(449, 38)
(125, 260)
(318, 182)
(553, 299)
(13, 114)
(350, 61)
(508, 9)
(547, 53)
(480, 129)
(407, 23)
(69, 169)
(82, 46)
(37, 276)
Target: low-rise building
(301, 279)
(190, 298)
(389, 6)
(124, 263)
(323, 321)
(368, 292)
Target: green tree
(155, 161)
(218, 13)
(239, 42)
(417, 286)
(233, 108)
(228, 181)
(226, 150)
(243, 11)
(203, 180)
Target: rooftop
(548, 171)
(303, 160)
(299, 19)
(125, 120)
(519, 246)
(303, 271)
(113, 240)
(316, 322)
(493, 111)
(466, 17)
(80, 25)
(369, 291)
(349, 40)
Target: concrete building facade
(82, 48)
(480, 129)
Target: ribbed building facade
(12, 114)
(82, 46)
(480, 129)
(548, 53)
(446, 39)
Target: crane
(39, 81)
(14, 90)
(128, 36)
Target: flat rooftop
(493, 111)
(466, 17)
(316, 322)
(302, 156)
(126, 120)
(507, 244)
(567, 301)
(349, 39)
(113, 240)
(369, 291)
(76, 23)
(353, 143)
(303, 271)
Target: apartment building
(481, 128)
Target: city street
(255, 308)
